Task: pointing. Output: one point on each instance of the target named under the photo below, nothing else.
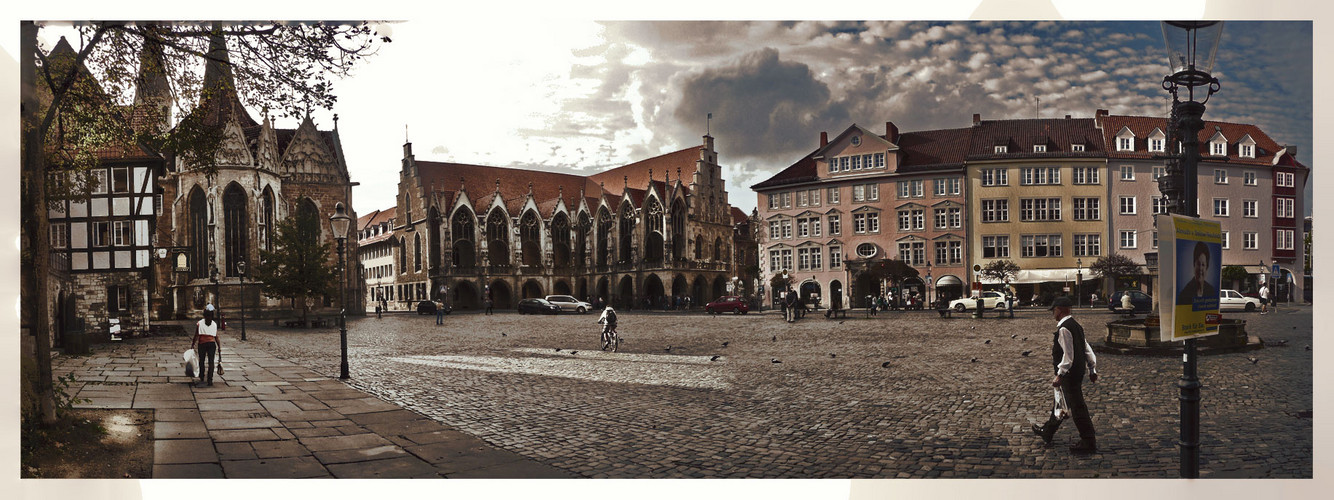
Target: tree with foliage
(781, 280)
(1235, 275)
(1003, 271)
(1113, 266)
(79, 101)
(298, 267)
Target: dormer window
(1247, 151)
(1125, 144)
(1039, 148)
(1077, 148)
(1002, 149)
(1246, 147)
(1157, 141)
(1218, 148)
(1156, 145)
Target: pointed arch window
(653, 232)
(498, 238)
(266, 220)
(627, 234)
(530, 234)
(236, 227)
(605, 241)
(417, 252)
(463, 230)
(198, 232)
(678, 230)
(560, 240)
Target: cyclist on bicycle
(608, 320)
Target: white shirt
(210, 330)
(1264, 292)
(1066, 340)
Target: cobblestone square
(898, 395)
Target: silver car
(568, 303)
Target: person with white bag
(206, 338)
(1072, 359)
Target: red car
(734, 304)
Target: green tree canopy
(298, 267)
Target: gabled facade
(640, 235)
(376, 249)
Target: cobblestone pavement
(815, 399)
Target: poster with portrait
(1191, 269)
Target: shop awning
(1026, 276)
(948, 280)
(1256, 270)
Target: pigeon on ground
(775, 339)
(974, 360)
(502, 334)
(715, 358)
(668, 349)
(725, 343)
(884, 365)
(832, 355)
(1015, 336)
(1254, 360)
(972, 328)
(988, 342)
(775, 360)
(840, 322)
(1025, 353)
(572, 353)
(557, 349)
(1025, 338)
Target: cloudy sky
(582, 96)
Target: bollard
(981, 306)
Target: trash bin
(76, 338)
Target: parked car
(1140, 301)
(427, 307)
(1231, 299)
(568, 303)
(537, 306)
(990, 300)
(729, 303)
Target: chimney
(891, 133)
(1067, 117)
(824, 139)
(1292, 150)
(977, 119)
(1098, 116)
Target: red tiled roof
(1021, 135)
(933, 148)
(126, 149)
(373, 218)
(637, 173)
(1142, 126)
(801, 171)
(480, 182)
(739, 216)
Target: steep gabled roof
(126, 149)
(637, 173)
(801, 171)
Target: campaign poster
(1190, 271)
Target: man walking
(1070, 355)
(439, 312)
(1264, 298)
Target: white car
(1231, 299)
(568, 303)
(990, 300)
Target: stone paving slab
(179, 430)
(393, 468)
(184, 451)
(276, 468)
(360, 454)
(226, 436)
(177, 415)
(279, 449)
(188, 471)
(236, 451)
(334, 443)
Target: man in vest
(1070, 356)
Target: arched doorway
(680, 286)
(836, 294)
(654, 292)
(697, 291)
(465, 296)
(583, 291)
(866, 285)
(719, 287)
(809, 292)
(626, 293)
(561, 287)
(501, 296)
(603, 290)
(909, 287)
(532, 290)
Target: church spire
(152, 93)
(219, 99)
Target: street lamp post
(240, 270)
(339, 222)
(1079, 282)
(217, 294)
(927, 298)
(1191, 47)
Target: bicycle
(610, 338)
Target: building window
(1283, 237)
(865, 192)
(59, 235)
(1002, 149)
(1039, 209)
(101, 234)
(835, 257)
(1040, 176)
(996, 210)
(1227, 242)
(1040, 245)
(835, 225)
(941, 217)
(1087, 208)
(941, 185)
(1088, 245)
(787, 229)
(1086, 175)
(833, 195)
(1127, 172)
(1155, 239)
(118, 299)
(775, 230)
(1128, 205)
(1128, 239)
(873, 222)
(995, 177)
(1159, 171)
(1247, 151)
(100, 181)
(956, 252)
(1249, 179)
(122, 233)
(1156, 145)
(866, 250)
(859, 223)
(942, 252)
(775, 260)
(787, 200)
(815, 226)
(879, 160)
(1250, 240)
(1039, 148)
(1286, 179)
(815, 197)
(911, 189)
(1220, 176)
(1218, 148)
(815, 258)
(956, 217)
(1077, 148)
(773, 201)
(803, 199)
(804, 258)
(1285, 207)
(1220, 207)
(1249, 208)
(995, 247)
(803, 228)
(1125, 144)
(120, 180)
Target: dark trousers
(207, 353)
(440, 316)
(1072, 389)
